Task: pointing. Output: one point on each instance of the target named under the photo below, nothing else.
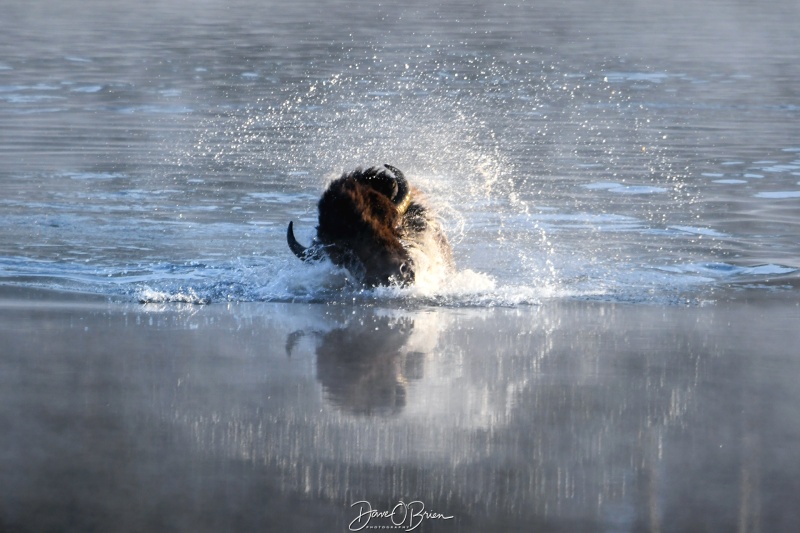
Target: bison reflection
(363, 368)
(372, 223)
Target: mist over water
(587, 159)
(616, 350)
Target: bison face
(360, 223)
(373, 266)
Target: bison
(372, 223)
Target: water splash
(551, 181)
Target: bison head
(360, 226)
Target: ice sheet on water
(88, 89)
(727, 270)
(778, 195)
(620, 188)
(699, 231)
(94, 175)
(280, 197)
(652, 77)
(781, 168)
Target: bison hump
(353, 209)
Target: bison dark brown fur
(369, 220)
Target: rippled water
(630, 154)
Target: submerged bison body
(376, 226)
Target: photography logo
(404, 516)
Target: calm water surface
(621, 186)
(568, 416)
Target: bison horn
(402, 199)
(306, 254)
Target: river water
(629, 154)
(627, 174)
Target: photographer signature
(407, 516)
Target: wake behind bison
(375, 225)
